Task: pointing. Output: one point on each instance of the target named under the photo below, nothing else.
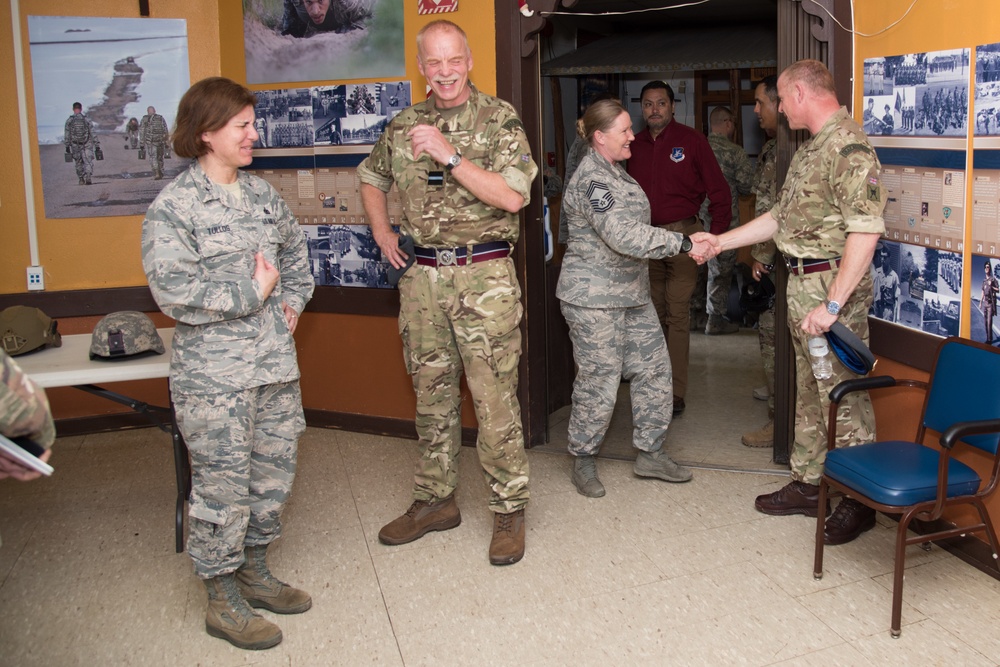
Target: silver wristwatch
(833, 307)
(453, 161)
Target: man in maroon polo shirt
(677, 169)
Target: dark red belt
(801, 266)
(460, 256)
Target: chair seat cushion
(897, 472)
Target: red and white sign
(436, 6)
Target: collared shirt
(833, 188)
(677, 171)
(437, 210)
(198, 247)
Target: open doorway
(708, 62)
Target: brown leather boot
(507, 545)
(849, 520)
(420, 519)
(793, 498)
(261, 589)
(229, 617)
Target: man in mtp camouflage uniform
(763, 254)
(80, 137)
(24, 412)
(463, 167)
(713, 296)
(826, 222)
(155, 135)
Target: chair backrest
(964, 386)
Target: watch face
(454, 160)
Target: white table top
(71, 365)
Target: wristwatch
(453, 161)
(686, 244)
(833, 307)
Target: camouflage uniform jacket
(24, 409)
(80, 131)
(833, 188)
(154, 130)
(610, 237)
(198, 246)
(736, 168)
(765, 185)
(486, 131)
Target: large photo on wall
(323, 40)
(106, 92)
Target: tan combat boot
(762, 437)
(420, 519)
(229, 617)
(261, 589)
(507, 545)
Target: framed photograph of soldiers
(323, 40)
(983, 299)
(286, 116)
(345, 256)
(106, 92)
(987, 99)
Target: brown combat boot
(420, 519)
(507, 545)
(229, 617)
(261, 589)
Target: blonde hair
(600, 115)
(813, 74)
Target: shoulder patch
(854, 148)
(513, 124)
(601, 199)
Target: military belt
(461, 256)
(803, 265)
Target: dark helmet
(23, 329)
(124, 334)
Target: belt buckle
(445, 257)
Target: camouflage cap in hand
(24, 329)
(124, 334)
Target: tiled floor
(653, 573)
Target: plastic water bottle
(819, 356)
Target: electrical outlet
(36, 278)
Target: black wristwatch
(686, 244)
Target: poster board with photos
(942, 219)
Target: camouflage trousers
(456, 318)
(154, 155)
(609, 344)
(765, 335)
(855, 418)
(243, 448)
(720, 281)
(83, 159)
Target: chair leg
(820, 530)
(990, 532)
(897, 575)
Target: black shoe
(849, 520)
(678, 406)
(793, 498)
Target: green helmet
(126, 333)
(24, 329)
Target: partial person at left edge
(24, 412)
(227, 260)
(303, 18)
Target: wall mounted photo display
(96, 163)
(323, 40)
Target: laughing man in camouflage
(604, 294)
(826, 222)
(463, 167)
(225, 257)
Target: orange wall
(349, 364)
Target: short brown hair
(813, 74)
(207, 106)
(600, 115)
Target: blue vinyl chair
(916, 481)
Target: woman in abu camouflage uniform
(225, 257)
